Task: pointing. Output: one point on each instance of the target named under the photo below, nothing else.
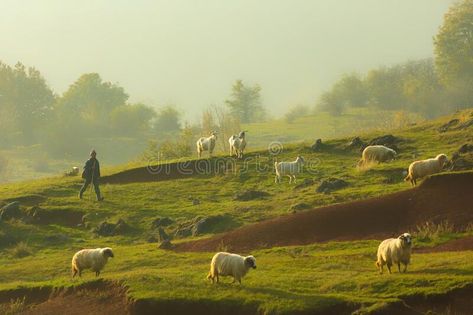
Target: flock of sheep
(393, 251)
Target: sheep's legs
(389, 267)
(74, 273)
(405, 268)
(97, 273)
(399, 267)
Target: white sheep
(394, 251)
(94, 259)
(377, 153)
(288, 169)
(206, 144)
(237, 144)
(227, 264)
(423, 168)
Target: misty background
(140, 81)
(189, 53)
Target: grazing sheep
(206, 144)
(423, 168)
(377, 153)
(289, 169)
(226, 264)
(394, 251)
(94, 259)
(237, 144)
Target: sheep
(423, 168)
(394, 251)
(206, 144)
(377, 153)
(289, 169)
(227, 264)
(237, 144)
(94, 259)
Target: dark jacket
(91, 169)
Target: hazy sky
(190, 52)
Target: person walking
(91, 175)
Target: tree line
(92, 109)
(430, 87)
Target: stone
(250, 195)
(330, 185)
(10, 211)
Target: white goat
(237, 144)
(206, 144)
(288, 169)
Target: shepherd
(91, 174)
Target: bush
(16, 306)
(430, 230)
(296, 112)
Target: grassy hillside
(337, 275)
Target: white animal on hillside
(395, 251)
(94, 259)
(423, 168)
(227, 264)
(377, 153)
(288, 169)
(206, 144)
(237, 144)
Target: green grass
(287, 279)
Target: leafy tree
(168, 121)
(330, 102)
(454, 44)
(131, 120)
(245, 102)
(88, 103)
(25, 101)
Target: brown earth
(458, 245)
(94, 298)
(170, 171)
(438, 198)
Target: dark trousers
(87, 183)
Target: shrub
(430, 230)
(21, 250)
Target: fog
(189, 53)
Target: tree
(88, 103)
(131, 120)
(329, 101)
(168, 121)
(454, 44)
(245, 102)
(25, 101)
(454, 50)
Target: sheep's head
(107, 252)
(241, 135)
(300, 159)
(393, 154)
(406, 239)
(250, 262)
(214, 134)
(442, 158)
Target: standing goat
(206, 144)
(237, 144)
(288, 169)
